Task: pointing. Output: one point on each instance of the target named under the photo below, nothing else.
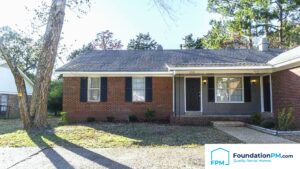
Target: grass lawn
(101, 134)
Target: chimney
(159, 47)
(263, 44)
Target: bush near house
(110, 118)
(133, 118)
(55, 97)
(268, 123)
(256, 118)
(285, 119)
(90, 119)
(63, 118)
(150, 114)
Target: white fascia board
(286, 63)
(222, 68)
(222, 72)
(116, 74)
(12, 93)
(26, 77)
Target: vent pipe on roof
(263, 44)
(159, 47)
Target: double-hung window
(138, 89)
(229, 90)
(3, 103)
(94, 89)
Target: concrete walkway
(115, 158)
(251, 136)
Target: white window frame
(137, 101)
(89, 88)
(228, 76)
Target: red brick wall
(286, 91)
(116, 105)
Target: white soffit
(286, 58)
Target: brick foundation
(116, 105)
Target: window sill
(229, 102)
(140, 102)
(93, 101)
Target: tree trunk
(46, 62)
(21, 88)
(281, 25)
(250, 45)
(23, 101)
(267, 27)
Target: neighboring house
(9, 107)
(183, 86)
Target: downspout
(174, 94)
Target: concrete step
(228, 123)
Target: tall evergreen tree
(142, 42)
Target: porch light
(253, 81)
(204, 81)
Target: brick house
(183, 86)
(8, 92)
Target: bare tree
(105, 41)
(37, 114)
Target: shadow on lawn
(58, 161)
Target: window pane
(138, 83)
(235, 83)
(138, 95)
(222, 95)
(94, 94)
(138, 89)
(236, 94)
(229, 89)
(3, 100)
(95, 83)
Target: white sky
(125, 18)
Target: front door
(193, 94)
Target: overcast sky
(125, 18)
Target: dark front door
(267, 94)
(193, 94)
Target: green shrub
(268, 123)
(133, 118)
(55, 97)
(285, 119)
(149, 114)
(91, 119)
(110, 118)
(256, 118)
(64, 117)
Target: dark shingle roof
(156, 60)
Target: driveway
(50, 158)
(251, 136)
